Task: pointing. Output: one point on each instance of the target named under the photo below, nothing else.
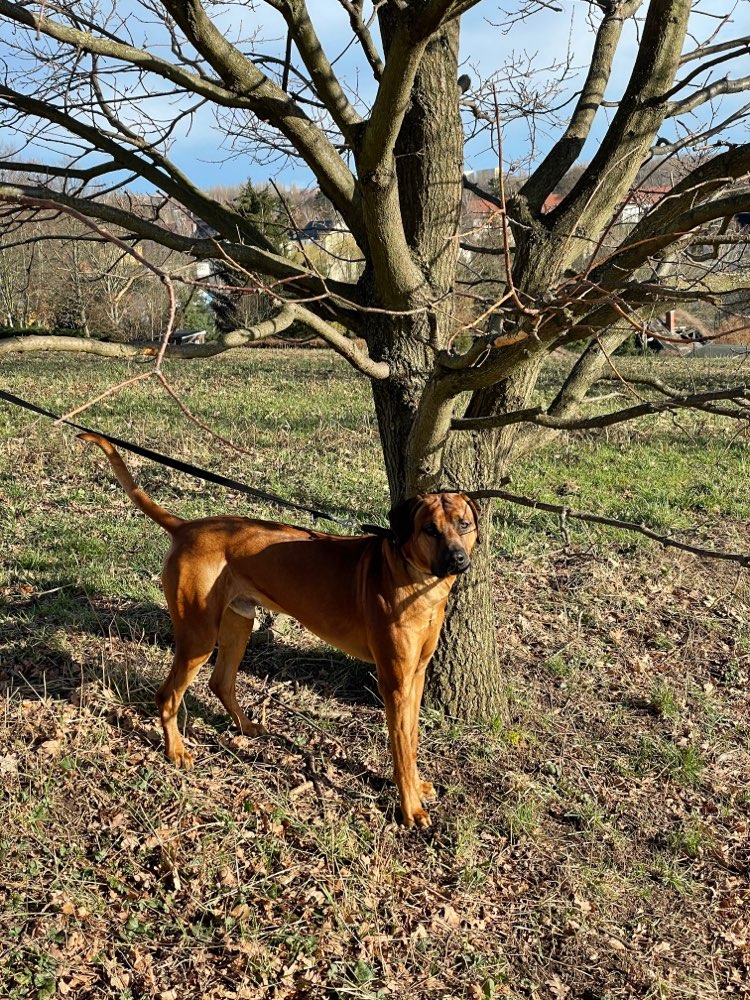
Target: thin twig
(107, 392)
(641, 529)
(199, 423)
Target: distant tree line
(58, 276)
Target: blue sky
(485, 46)
(545, 38)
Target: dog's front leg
(400, 690)
(426, 788)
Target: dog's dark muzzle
(454, 561)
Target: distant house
(340, 257)
(202, 230)
(188, 337)
(677, 333)
(479, 212)
(317, 231)
(640, 201)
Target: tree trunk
(466, 674)
(465, 680)
(400, 342)
(465, 677)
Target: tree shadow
(323, 670)
(61, 604)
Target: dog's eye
(432, 531)
(464, 525)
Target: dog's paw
(181, 758)
(254, 729)
(419, 818)
(427, 791)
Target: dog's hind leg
(191, 652)
(234, 634)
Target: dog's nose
(458, 561)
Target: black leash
(194, 470)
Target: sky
(487, 42)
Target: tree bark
(466, 675)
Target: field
(593, 845)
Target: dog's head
(436, 532)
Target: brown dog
(380, 599)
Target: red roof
(648, 195)
(551, 202)
(477, 206)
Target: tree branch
(641, 529)
(341, 344)
(704, 67)
(288, 314)
(362, 31)
(247, 87)
(681, 210)
(706, 94)
(493, 199)
(105, 349)
(107, 46)
(666, 390)
(567, 148)
(589, 368)
(325, 82)
(743, 44)
(475, 248)
(221, 217)
(696, 401)
(664, 148)
(374, 154)
(610, 175)
(271, 104)
(49, 170)
(436, 13)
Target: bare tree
(451, 396)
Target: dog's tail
(170, 522)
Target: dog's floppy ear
(475, 511)
(401, 519)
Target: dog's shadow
(37, 664)
(60, 605)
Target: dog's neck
(405, 574)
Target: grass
(592, 844)
(663, 702)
